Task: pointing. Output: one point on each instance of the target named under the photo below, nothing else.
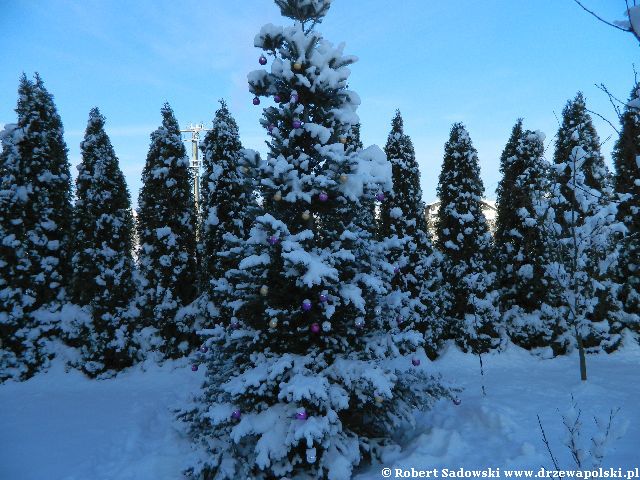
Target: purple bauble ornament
(415, 361)
(324, 297)
(194, 368)
(323, 197)
(256, 101)
(277, 98)
(294, 98)
(273, 240)
(306, 305)
(380, 196)
(271, 128)
(315, 328)
(236, 414)
(457, 401)
(262, 60)
(204, 349)
(301, 415)
(297, 124)
(396, 269)
(359, 322)
(234, 324)
(399, 320)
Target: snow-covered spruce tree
(403, 222)
(227, 203)
(464, 239)
(626, 156)
(299, 380)
(102, 255)
(581, 176)
(166, 231)
(36, 213)
(522, 246)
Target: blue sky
(484, 63)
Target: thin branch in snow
(546, 442)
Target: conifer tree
(102, 260)
(627, 184)
(464, 239)
(35, 224)
(403, 219)
(521, 244)
(166, 231)
(299, 380)
(581, 204)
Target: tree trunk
(583, 360)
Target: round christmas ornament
(244, 169)
(306, 215)
(234, 323)
(323, 197)
(273, 240)
(273, 323)
(264, 290)
(396, 269)
(359, 322)
(415, 361)
(306, 305)
(277, 98)
(204, 349)
(324, 298)
(236, 414)
(377, 310)
(399, 320)
(262, 60)
(294, 98)
(456, 401)
(343, 178)
(256, 101)
(380, 196)
(297, 124)
(297, 66)
(271, 128)
(378, 399)
(311, 455)
(194, 368)
(343, 140)
(315, 328)
(301, 415)
(277, 196)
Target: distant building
(488, 208)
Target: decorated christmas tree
(166, 231)
(308, 378)
(102, 262)
(464, 239)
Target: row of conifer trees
(560, 271)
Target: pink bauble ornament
(323, 197)
(380, 196)
(306, 305)
(302, 415)
(256, 101)
(277, 98)
(415, 361)
(297, 124)
(194, 367)
(324, 298)
(271, 128)
(315, 328)
(457, 401)
(236, 414)
(262, 60)
(273, 240)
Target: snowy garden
(303, 319)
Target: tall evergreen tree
(166, 231)
(579, 168)
(627, 184)
(36, 201)
(521, 244)
(227, 204)
(102, 260)
(305, 379)
(464, 239)
(403, 218)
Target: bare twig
(606, 120)
(546, 442)
(603, 20)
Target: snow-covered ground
(62, 426)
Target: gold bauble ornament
(378, 399)
(264, 290)
(277, 197)
(306, 215)
(343, 178)
(244, 169)
(297, 66)
(273, 323)
(343, 140)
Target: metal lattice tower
(194, 130)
